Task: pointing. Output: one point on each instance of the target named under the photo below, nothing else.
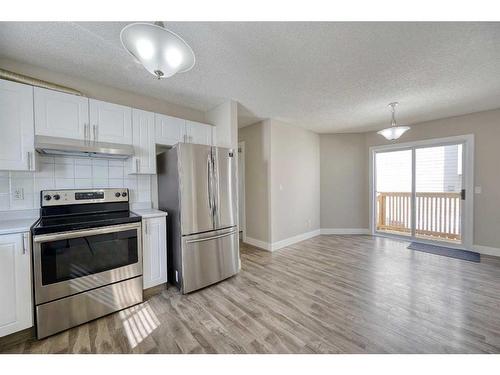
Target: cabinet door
(112, 122)
(16, 119)
(16, 308)
(143, 138)
(60, 115)
(198, 133)
(154, 251)
(169, 130)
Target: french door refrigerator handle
(212, 237)
(215, 182)
(209, 185)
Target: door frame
(241, 175)
(468, 167)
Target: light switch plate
(478, 189)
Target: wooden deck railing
(437, 214)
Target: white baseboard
(345, 231)
(291, 240)
(283, 243)
(487, 250)
(257, 243)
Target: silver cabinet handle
(97, 132)
(146, 227)
(29, 161)
(25, 243)
(94, 128)
(137, 165)
(85, 137)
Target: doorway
(241, 190)
(422, 191)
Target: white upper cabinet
(198, 133)
(110, 122)
(143, 139)
(169, 130)
(154, 232)
(61, 115)
(16, 308)
(17, 129)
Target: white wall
(225, 118)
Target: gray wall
(486, 128)
(282, 170)
(344, 176)
(344, 172)
(295, 181)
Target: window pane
(393, 191)
(438, 183)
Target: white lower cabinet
(154, 251)
(16, 307)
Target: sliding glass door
(418, 192)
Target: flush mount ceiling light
(162, 52)
(394, 132)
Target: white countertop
(16, 225)
(149, 213)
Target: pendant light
(162, 52)
(394, 132)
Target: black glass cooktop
(64, 223)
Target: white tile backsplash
(63, 172)
(66, 170)
(83, 171)
(65, 183)
(4, 185)
(100, 172)
(115, 172)
(83, 183)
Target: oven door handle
(85, 232)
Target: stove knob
(47, 197)
(117, 195)
(124, 194)
(57, 197)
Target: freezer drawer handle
(212, 238)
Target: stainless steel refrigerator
(197, 186)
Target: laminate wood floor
(329, 294)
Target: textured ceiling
(327, 77)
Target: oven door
(71, 262)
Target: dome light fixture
(394, 132)
(162, 52)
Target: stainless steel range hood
(73, 147)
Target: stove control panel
(82, 196)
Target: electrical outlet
(18, 194)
